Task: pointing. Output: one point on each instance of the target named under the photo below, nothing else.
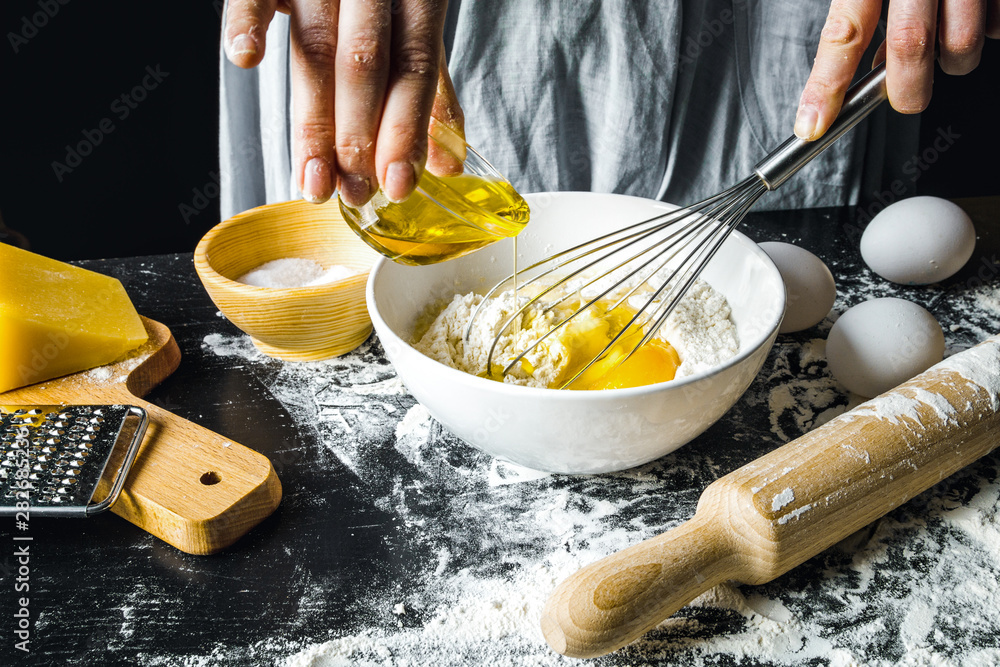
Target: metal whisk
(673, 248)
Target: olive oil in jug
(465, 206)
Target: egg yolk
(587, 335)
(656, 361)
(583, 339)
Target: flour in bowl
(700, 331)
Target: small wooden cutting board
(189, 486)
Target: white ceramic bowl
(566, 431)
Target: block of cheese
(57, 319)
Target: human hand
(957, 27)
(366, 77)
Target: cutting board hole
(210, 478)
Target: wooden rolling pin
(774, 513)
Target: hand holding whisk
(655, 262)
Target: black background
(126, 196)
(150, 185)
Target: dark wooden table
(380, 525)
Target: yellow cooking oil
(444, 218)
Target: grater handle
(862, 98)
(63, 481)
(126, 466)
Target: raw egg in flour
(622, 366)
(809, 287)
(918, 241)
(881, 343)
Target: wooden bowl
(299, 323)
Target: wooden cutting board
(189, 486)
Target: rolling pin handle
(616, 600)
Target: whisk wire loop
(710, 231)
(691, 246)
(685, 232)
(617, 241)
(611, 239)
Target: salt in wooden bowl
(291, 323)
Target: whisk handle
(795, 153)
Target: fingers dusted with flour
(446, 159)
(362, 75)
(401, 149)
(914, 29)
(961, 33)
(246, 26)
(848, 30)
(314, 25)
(909, 56)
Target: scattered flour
(100, 374)
(700, 329)
(294, 272)
(498, 539)
(794, 514)
(986, 376)
(116, 372)
(782, 499)
(915, 588)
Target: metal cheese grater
(53, 456)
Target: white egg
(881, 343)
(918, 241)
(809, 286)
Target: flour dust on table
(496, 539)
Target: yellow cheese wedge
(57, 319)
